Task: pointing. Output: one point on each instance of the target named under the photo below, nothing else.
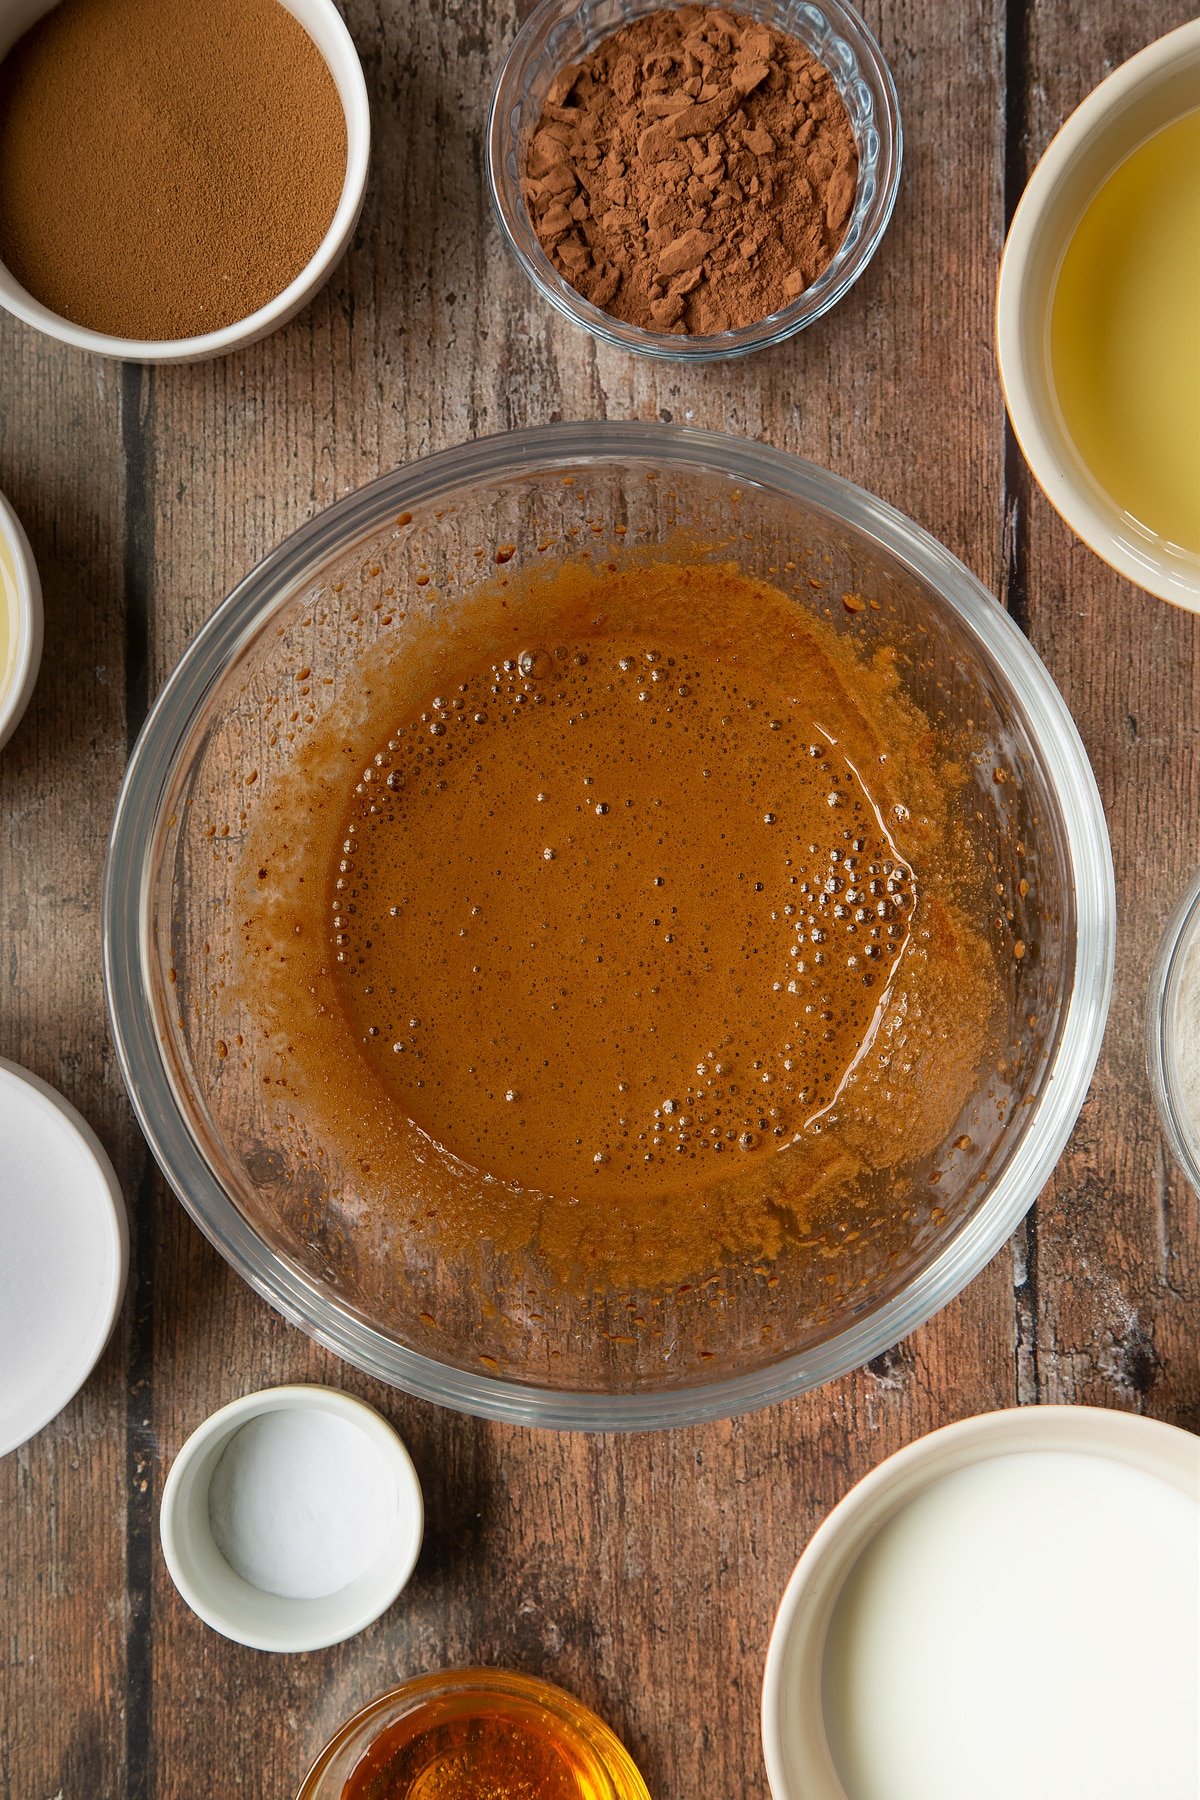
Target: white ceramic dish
(800, 1763)
(324, 25)
(235, 1607)
(21, 610)
(1150, 91)
(65, 1256)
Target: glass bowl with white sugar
(1173, 1031)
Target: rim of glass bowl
(1179, 936)
(837, 37)
(240, 618)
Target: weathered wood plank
(1118, 1234)
(62, 1497)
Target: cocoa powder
(695, 173)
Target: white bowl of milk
(1008, 1606)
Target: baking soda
(301, 1503)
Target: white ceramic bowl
(1152, 89)
(800, 1764)
(21, 612)
(235, 1607)
(66, 1253)
(324, 25)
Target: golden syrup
(531, 1743)
(1125, 335)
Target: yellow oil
(8, 619)
(1125, 335)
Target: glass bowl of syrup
(745, 910)
(474, 1734)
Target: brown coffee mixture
(694, 174)
(166, 167)
(587, 839)
(621, 929)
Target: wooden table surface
(643, 1572)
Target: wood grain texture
(1115, 1274)
(642, 1573)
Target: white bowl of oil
(1098, 319)
(20, 621)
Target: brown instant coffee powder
(166, 167)
(695, 173)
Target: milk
(1028, 1627)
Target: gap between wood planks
(137, 444)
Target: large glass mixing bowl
(409, 549)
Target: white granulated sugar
(301, 1503)
(1186, 1025)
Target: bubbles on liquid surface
(622, 1022)
(535, 664)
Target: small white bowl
(800, 1763)
(235, 1607)
(324, 25)
(21, 611)
(1150, 91)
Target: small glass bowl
(603, 1768)
(560, 32)
(1166, 1024)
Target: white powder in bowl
(1185, 1033)
(301, 1503)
